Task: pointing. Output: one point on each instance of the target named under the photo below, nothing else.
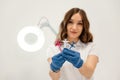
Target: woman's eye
(70, 22)
(80, 23)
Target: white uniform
(68, 71)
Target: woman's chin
(73, 38)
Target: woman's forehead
(77, 17)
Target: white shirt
(68, 71)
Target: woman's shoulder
(89, 44)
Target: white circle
(36, 35)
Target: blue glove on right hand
(73, 57)
(57, 62)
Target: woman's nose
(74, 26)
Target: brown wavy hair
(85, 36)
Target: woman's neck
(72, 40)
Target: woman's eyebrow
(80, 21)
(71, 20)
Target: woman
(78, 62)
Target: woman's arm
(53, 75)
(89, 66)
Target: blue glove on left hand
(57, 62)
(73, 57)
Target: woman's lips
(73, 32)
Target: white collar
(79, 44)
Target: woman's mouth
(73, 32)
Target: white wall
(16, 64)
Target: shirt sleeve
(92, 49)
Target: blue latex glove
(72, 57)
(57, 62)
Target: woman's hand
(57, 62)
(72, 57)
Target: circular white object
(31, 38)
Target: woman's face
(74, 27)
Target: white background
(17, 64)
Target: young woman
(76, 62)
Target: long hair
(85, 36)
